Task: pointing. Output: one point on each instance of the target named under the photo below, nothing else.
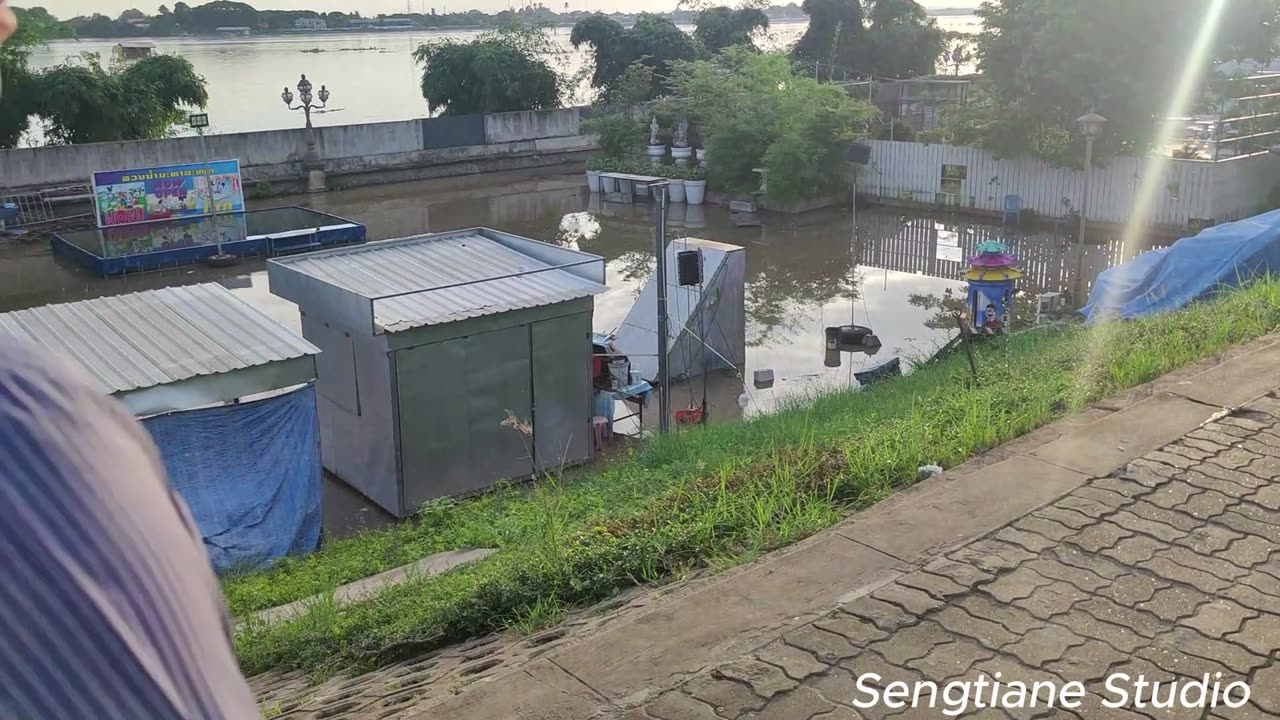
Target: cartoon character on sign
(991, 321)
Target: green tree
(84, 102)
(1047, 62)
(19, 91)
(499, 71)
(902, 41)
(830, 42)
(721, 27)
(653, 40)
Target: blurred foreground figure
(110, 608)
(8, 22)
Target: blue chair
(1012, 209)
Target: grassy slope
(719, 495)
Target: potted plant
(595, 166)
(675, 176)
(695, 185)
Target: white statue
(682, 133)
(653, 131)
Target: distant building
(233, 30)
(310, 24)
(133, 50)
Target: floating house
(226, 393)
(130, 50)
(450, 361)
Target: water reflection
(804, 272)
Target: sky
(71, 8)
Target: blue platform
(152, 246)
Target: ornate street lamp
(1091, 126)
(311, 163)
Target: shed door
(562, 390)
(453, 397)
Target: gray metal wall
(454, 391)
(357, 428)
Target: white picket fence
(1190, 190)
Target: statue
(653, 131)
(682, 133)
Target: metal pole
(854, 246)
(208, 183)
(1084, 219)
(664, 370)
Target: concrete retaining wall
(392, 149)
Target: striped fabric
(108, 607)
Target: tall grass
(717, 495)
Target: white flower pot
(593, 180)
(675, 190)
(608, 185)
(695, 191)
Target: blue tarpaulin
(1169, 278)
(250, 474)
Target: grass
(716, 496)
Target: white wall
(1189, 189)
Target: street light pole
(311, 162)
(1091, 126)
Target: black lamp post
(311, 163)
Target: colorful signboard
(144, 238)
(127, 197)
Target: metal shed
(188, 360)
(429, 342)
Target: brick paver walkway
(1168, 569)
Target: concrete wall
(277, 155)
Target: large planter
(695, 191)
(675, 190)
(608, 185)
(681, 155)
(656, 153)
(593, 180)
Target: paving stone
(1044, 645)
(1179, 662)
(1064, 516)
(1141, 622)
(1237, 477)
(1086, 662)
(987, 632)
(1219, 617)
(1172, 495)
(729, 698)
(1016, 620)
(937, 586)
(950, 660)
(1099, 537)
(796, 663)
(1251, 598)
(1185, 450)
(1260, 448)
(1207, 504)
(1029, 541)
(675, 705)
(1248, 551)
(826, 646)
(913, 601)
(1183, 522)
(962, 574)
(1266, 689)
(1230, 655)
(881, 614)
(1141, 667)
(1015, 585)
(1085, 505)
(992, 555)
(859, 633)
(1053, 599)
(1207, 444)
(764, 679)
(1085, 625)
(1208, 482)
(1239, 522)
(802, 703)
(1094, 563)
(1094, 492)
(1203, 562)
(1209, 539)
(1268, 497)
(1259, 634)
(1091, 708)
(1044, 527)
(1051, 568)
(1135, 549)
(912, 642)
(1199, 579)
(1234, 459)
(1121, 486)
(1230, 428)
(1246, 423)
(1133, 523)
(1178, 461)
(839, 684)
(1133, 589)
(1010, 669)
(1147, 473)
(1214, 435)
(1249, 711)
(1265, 467)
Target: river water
(372, 75)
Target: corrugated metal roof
(460, 275)
(144, 339)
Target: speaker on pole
(689, 267)
(858, 154)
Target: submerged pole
(664, 370)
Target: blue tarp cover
(1169, 278)
(250, 473)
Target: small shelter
(451, 361)
(992, 276)
(225, 392)
(129, 50)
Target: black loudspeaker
(689, 267)
(858, 154)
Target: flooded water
(372, 75)
(804, 272)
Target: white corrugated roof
(453, 277)
(144, 339)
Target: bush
(621, 134)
